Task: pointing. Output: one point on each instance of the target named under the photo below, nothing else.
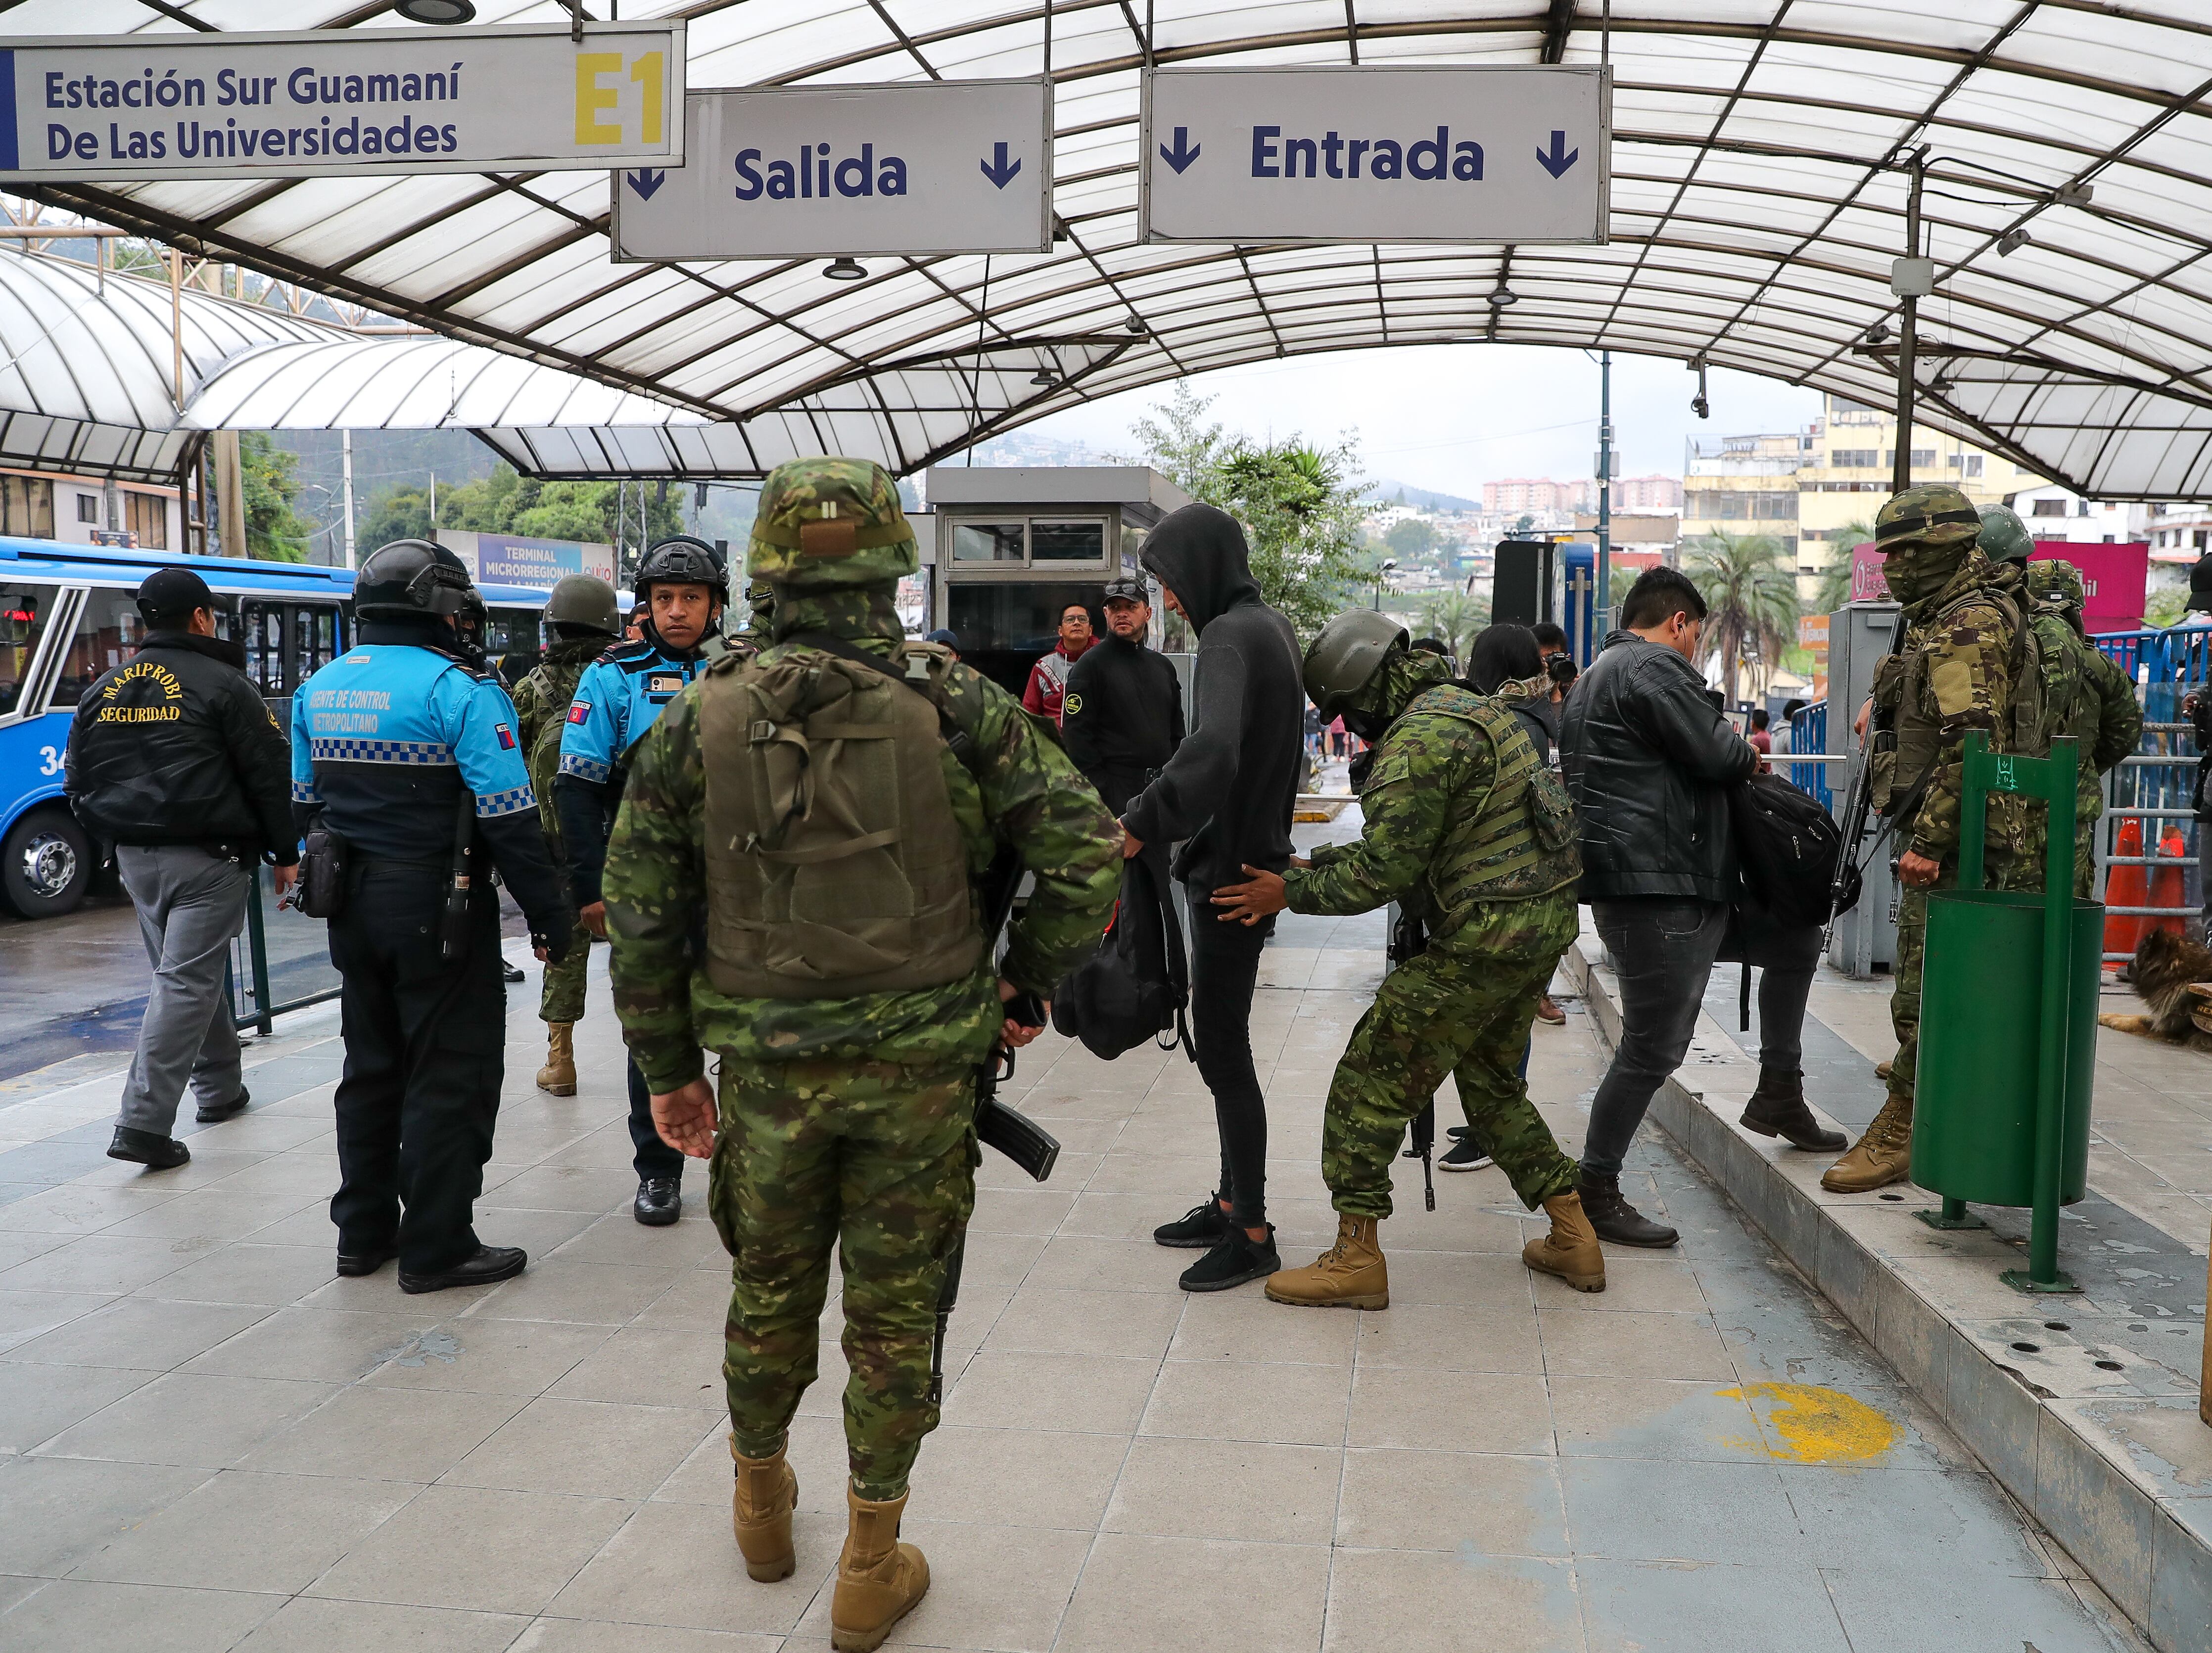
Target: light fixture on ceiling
(2073, 194)
(1044, 379)
(845, 269)
(1877, 334)
(1503, 297)
(2011, 242)
(443, 12)
(1939, 384)
(1700, 405)
(1134, 324)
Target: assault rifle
(1851, 871)
(1020, 1138)
(1409, 939)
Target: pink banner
(2114, 575)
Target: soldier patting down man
(1466, 828)
(792, 883)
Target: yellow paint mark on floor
(1820, 1426)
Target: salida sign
(794, 171)
(352, 101)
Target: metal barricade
(1808, 735)
(2156, 784)
(280, 962)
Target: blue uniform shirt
(383, 736)
(618, 698)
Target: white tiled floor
(207, 1442)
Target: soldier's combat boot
(1351, 1274)
(1881, 1157)
(1777, 1108)
(1571, 1251)
(558, 1076)
(879, 1579)
(760, 1510)
(1882, 1069)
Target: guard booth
(1015, 544)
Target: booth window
(1067, 541)
(988, 542)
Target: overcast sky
(1450, 417)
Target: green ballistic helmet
(1344, 659)
(584, 602)
(1934, 513)
(830, 524)
(2004, 537)
(2056, 585)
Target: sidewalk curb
(2117, 1466)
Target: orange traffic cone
(2126, 886)
(2166, 885)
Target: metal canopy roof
(1757, 199)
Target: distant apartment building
(1656, 492)
(1517, 494)
(2052, 512)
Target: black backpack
(1788, 848)
(1137, 985)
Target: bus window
(108, 633)
(23, 611)
(314, 642)
(510, 629)
(262, 631)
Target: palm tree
(1751, 599)
(1456, 617)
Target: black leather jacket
(1649, 760)
(175, 746)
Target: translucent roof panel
(1759, 193)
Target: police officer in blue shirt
(682, 585)
(404, 749)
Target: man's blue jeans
(1663, 951)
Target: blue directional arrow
(998, 168)
(644, 183)
(1560, 158)
(1184, 152)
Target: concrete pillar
(230, 493)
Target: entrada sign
(1376, 153)
(363, 101)
(797, 171)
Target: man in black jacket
(1228, 793)
(173, 758)
(1122, 716)
(1648, 760)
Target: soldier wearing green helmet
(2084, 695)
(1968, 660)
(791, 885)
(1465, 828)
(2004, 537)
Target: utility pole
(229, 493)
(345, 461)
(1604, 593)
(1912, 278)
(433, 508)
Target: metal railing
(2157, 784)
(280, 962)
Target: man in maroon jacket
(1048, 685)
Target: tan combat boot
(558, 1075)
(1351, 1274)
(760, 1511)
(1882, 1069)
(1881, 1157)
(1571, 1251)
(879, 1579)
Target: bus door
(286, 644)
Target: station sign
(361, 101)
(1485, 154)
(798, 172)
(517, 559)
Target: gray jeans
(191, 906)
(1663, 951)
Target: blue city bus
(67, 615)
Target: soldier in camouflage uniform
(1968, 662)
(2084, 695)
(1466, 827)
(845, 1119)
(584, 615)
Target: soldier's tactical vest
(1518, 842)
(1902, 761)
(554, 688)
(835, 864)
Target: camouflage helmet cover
(1344, 659)
(2056, 585)
(829, 524)
(1933, 513)
(2004, 537)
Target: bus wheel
(45, 865)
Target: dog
(2167, 966)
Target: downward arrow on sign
(644, 183)
(1561, 157)
(1184, 152)
(998, 168)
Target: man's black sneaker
(1467, 1154)
(659, 1201)
(512, 972)
(1202, 1226)
(218, 1113)
(353, 1264)
(142, 1148)
(490, 1265)
(1614, 1218)
(1237, 1261)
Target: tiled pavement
(212, 1444)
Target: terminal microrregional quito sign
(1376, 153)
(800, 172)
(340, 101)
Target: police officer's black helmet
(683, 560)
(413, 577)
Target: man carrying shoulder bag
(174, 759)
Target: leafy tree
(1752, 600)
(1456, 617)
(394, 514)
(274, 531)
(1411, 537)
(1524, 524)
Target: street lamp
(1381, 574)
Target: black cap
(1126, 590)
(168, 596)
